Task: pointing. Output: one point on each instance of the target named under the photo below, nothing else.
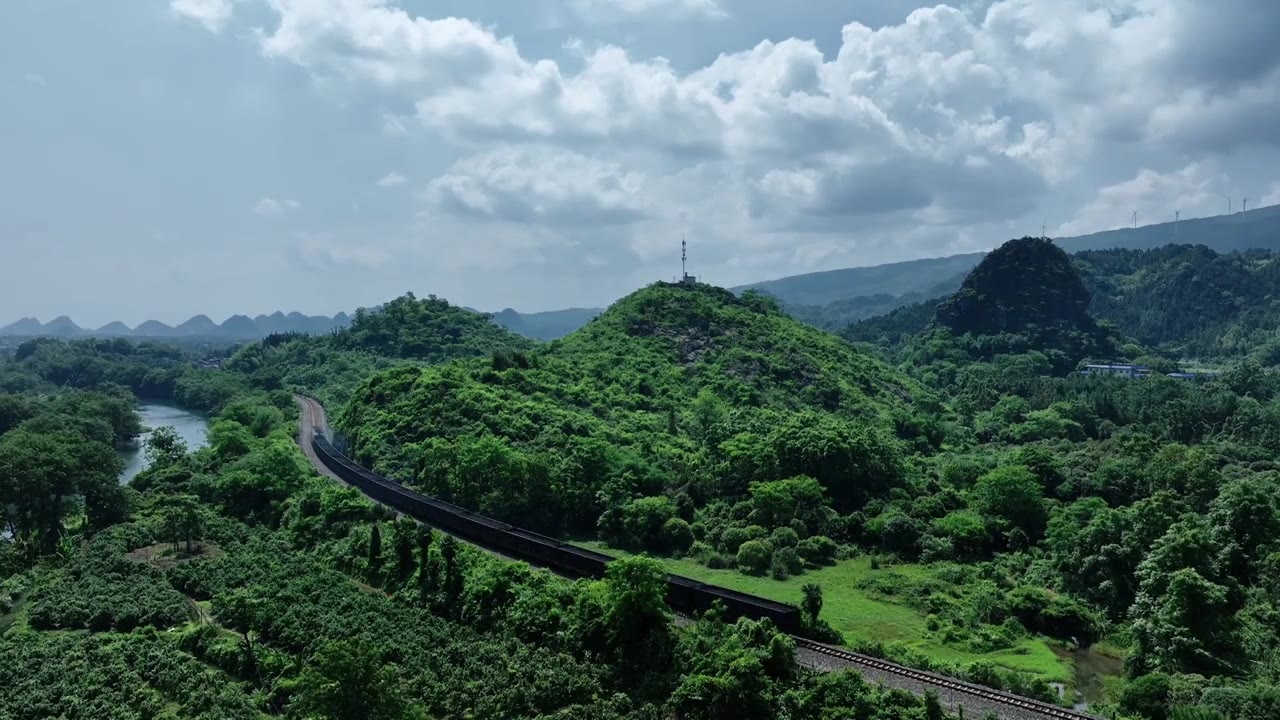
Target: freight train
(683, 593)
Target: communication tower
(685, 277)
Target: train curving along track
(976, 700)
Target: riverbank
(192, 427)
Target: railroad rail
(521, 544)
(1033, 708)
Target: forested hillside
(676, 397)
(1181, 302)
(405, 331)
(1188, 301)
(1139, 515)
(233, 582)
(830, 296)
(967, 510)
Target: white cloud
(535, 185)
(951, 127)
(392, 179)
(1193, 190)
(213, 14)
(604, 10)
(270, 207)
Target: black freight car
(682, 593)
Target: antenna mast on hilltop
(685, 277)
(1135, 219)
(1246, 205)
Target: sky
(162, 158)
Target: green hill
(834, 298)
(1180, 301)
(1024, 286)
(678, 396)
(1024, 295)
(406, 330)
(1187, 301)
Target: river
(192, 426)
(1091, 670)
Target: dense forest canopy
(971, 482)
(681, 390)
(405, 331)
(1181, 302)
(233, 582)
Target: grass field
(861, 615)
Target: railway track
(975, 699)
(957, 692)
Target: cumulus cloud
(392, 179)
(270, 207)
(663, 9)
(1193, 189)
(213, 14)
(537, 185)
(965, 117)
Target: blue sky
(170, 157)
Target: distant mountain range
(835, 298)
(236, 327)
(831, 299)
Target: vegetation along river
(193, 427)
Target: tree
(374, 555)
(1183, 615)
(1012, 494)
(39, 471)
(637, 619)
(183, 519)
(453, 580)
(754, 557)
(165, 447)
(812, 604)
(350, 680)
(404, 531)
(1246, 518)
(230, 440)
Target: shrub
(794, 562)
(784, 537)
(733, 538)
(819, 550)
(677, 536)
(753, 557)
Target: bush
(733, 538)
(753, 557)
(722, 562)
(784, 537)
(677, 536)
(819, 550)
(785, 562)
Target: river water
(1091, 670)
(191, 426)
